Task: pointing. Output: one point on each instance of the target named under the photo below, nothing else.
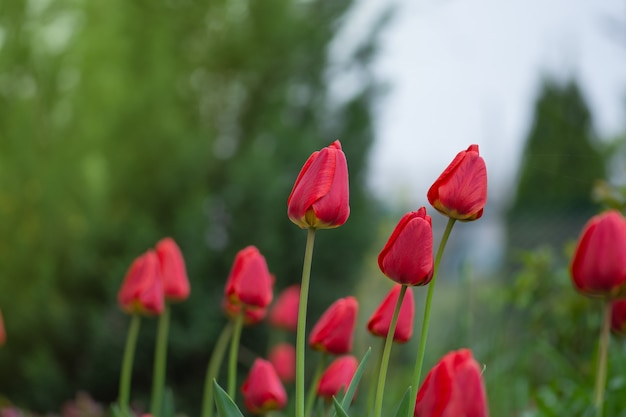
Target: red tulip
(251, 315)
(284, 312)
(407, 258)
(380, 321)
(599, 264)
(283, 359)
(262, 390)
(3, 334)
(320, 196)
(618, 317)
(460, 192)
(334, 331)
(142, 289)
(173, 271)
(337, 377)
(249, 282)
(453, 388)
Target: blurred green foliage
(123, 122)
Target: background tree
(123, 122)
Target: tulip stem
(384, 363)
(213, 369)
(376, 371)
(234, 354)
(603, 349)
(160, 363)
(310, 398)
(302, 309)
(127, 365)
(426, 320)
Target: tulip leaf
(347, 398)
(226, 407)
(339, 409)
(403, 407)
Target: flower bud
(249, 282)
(337, 377)
(380, 321)
(334, 331)
(599, 264)
(453, 387)
(407, 258)
(262, 390)
(142, 289)
(283, 359)
(173, 270)
(284, 312)
(320, 197)
(460, 192)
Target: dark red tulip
(173, 270)
(380, 321)
(262, 390)
(284, 312)
(460, 192)
(320, 197)
(250, 282)
(599, 264)
(453, 388)
(337, 377)
(3, 334)
(251, 315)
(334, 331)
(283, 359)
(142, 289)
(407, 258)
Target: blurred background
(124, 122)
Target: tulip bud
(262, 390)
(337, 377)
(142, 289)
(599, 264)
(453, 387)
(334, 331)
(251, 315)
(3, 334)
(319, 198)
(618, 317)
(460, 192)
(249, 282)
(173, 271)
(283, 359)
(380, 321)
(407, 258)
(284, 312)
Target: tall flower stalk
(213, 368)
(127, 365)
(603, 351)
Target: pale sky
(467, 71)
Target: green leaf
(339, 409)
(226, 407)
(403, 407)
(347, 399)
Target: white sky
(467, 71)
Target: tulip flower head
(284, 312)
(251, 315)
(407, 258)
(598, 267)
(460, 192)
(173, 270)
(320, 197)
(3, 334)
(334, 331)
(337, 377)
(453, 388)
(380, 321)
(262, 390)
(283, 359)
(250, 282)
(618, 317)
(142, 289)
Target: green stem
(234, 353)
(160, 363)
(603, 349)
(300, 335)
(127, 365)
(426, 320)
(384, 363)
(376, 371)
(213, 369)
(310, 398)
